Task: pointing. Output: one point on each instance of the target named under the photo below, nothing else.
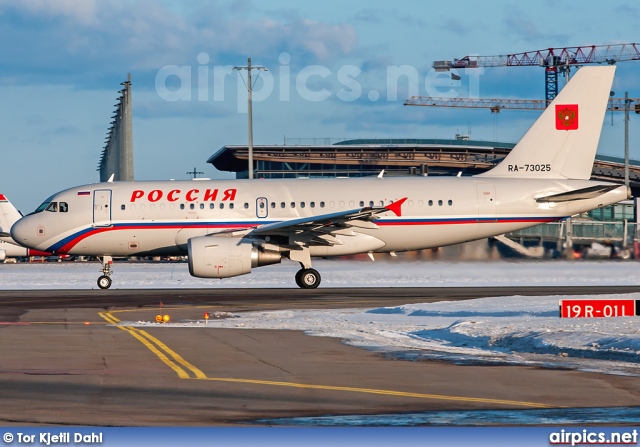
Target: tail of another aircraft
(562, 143)
(8, 216)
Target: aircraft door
(102, 208)
(262, 207)
(487, 203)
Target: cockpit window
(64, 207)
(44, 205)
(53, 207)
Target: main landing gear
(308, 278)
(104, 282)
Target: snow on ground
(335, 273)
(514, 330)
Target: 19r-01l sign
(599, 308)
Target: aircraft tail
(562, 143)
(8, 216)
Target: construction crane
(496, 105)
(552, 59)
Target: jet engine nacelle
(3, 255)
(224, 257)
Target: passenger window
(246, 206)
(439, 202)
(202, 206)
(64, 207)
(321, 204)
(273, 204)
(293, 204)
(191, 206)
(123, 207)
(182, 206)
(361, 203)
(282, 205)
(211, 206)
(231, 206)
(53, 207)
(301, 204)
(450, 202)
(222, 206)
(430, 202)
(312, 204)
(371, 203)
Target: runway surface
(65, 360)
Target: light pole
(248, 67)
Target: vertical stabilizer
(8, 216)
(562, 143)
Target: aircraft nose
(24, 232)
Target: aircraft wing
(359, 218)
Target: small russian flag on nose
(3, 198)
(84, 193)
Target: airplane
(8, 247)
(228, 227)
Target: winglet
(396, 207)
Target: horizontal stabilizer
(579, 194)
(4, 234)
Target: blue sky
(63, 61)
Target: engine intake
(225, 257)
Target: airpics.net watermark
(205, 82)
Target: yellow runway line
(162, 351)
(384, 392)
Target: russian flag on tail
(84, 193)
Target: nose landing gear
(104, 282)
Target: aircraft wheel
(298, 275)
(104, 282)
(308, 278)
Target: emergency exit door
(262, 207)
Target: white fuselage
(144, 218)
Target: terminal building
(325, 157)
